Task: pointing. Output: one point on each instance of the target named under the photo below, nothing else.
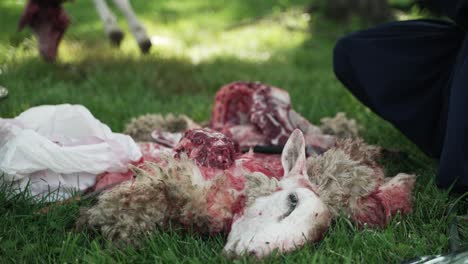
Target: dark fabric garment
(456, 10)
(414, 75)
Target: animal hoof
(116, 37)
(145, 46)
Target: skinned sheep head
(287, 218)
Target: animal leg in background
(110, 22)
(136, 27)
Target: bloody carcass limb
(258, 114)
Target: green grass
(207, 43)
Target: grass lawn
(201, 45)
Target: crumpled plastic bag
(61, 149)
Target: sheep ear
(293, 157)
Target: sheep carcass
(264, 202)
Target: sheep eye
(292, 201)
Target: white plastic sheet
(61, 148)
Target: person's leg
(402, 71)
(454, 159)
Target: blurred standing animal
(49, 21)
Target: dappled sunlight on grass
(257, 41)
(190, 23)
(184, 30)
(251, 43)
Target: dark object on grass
(413, 74)
(430, 5)
(264, 149)
(310, 150)
(375, 11)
